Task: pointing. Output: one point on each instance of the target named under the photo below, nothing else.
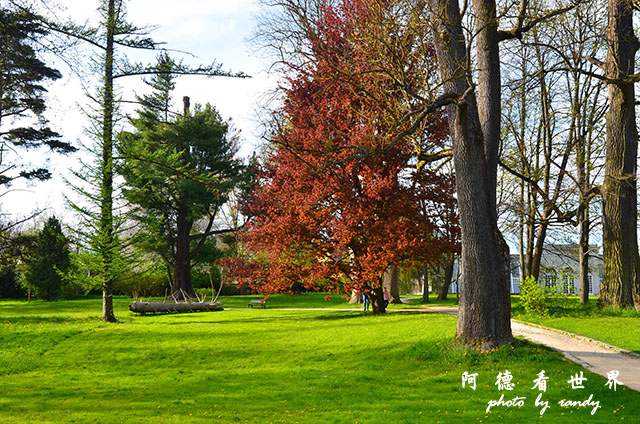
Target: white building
(560, 266)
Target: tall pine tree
(179, 170)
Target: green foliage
(22, 92)
(179, 171)
(201, 278)
(538, 299)
(47, 260)
(153, 283)
(533, 296)
(10, 287)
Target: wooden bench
(255, 302)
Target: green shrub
(538, 299)
(153, 283)
(533, 297)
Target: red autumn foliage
(339, 198)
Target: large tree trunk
(376, 298)
(392, 284)
(485, 306)
(183, 289)
(106, 236)
(619, 220)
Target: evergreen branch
(213, 70)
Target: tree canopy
(340, 197)
(23, 94)
(179, 170)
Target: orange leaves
(339, 202)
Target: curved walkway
(596, 356)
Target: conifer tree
(22, 94)
(179, 170)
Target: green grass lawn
(59, 363)
(322, 300)
(619, 328)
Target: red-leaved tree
(339, 197)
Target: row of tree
(393, 68)
(353, 182)
(178, 168)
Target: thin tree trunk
(583, 253)
(521, 257)
(425, 283)
(538, 248)
(485, 305)
(106, 193)
(443, 291)
(448, 272)
(620, 285)
(107, 308)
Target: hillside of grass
(59, 363)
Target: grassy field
(619, 328)
(59, 363)
(322, 300)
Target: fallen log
(173, 308)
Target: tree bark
(150, 307)
(392, 284)
(106, 190)
(443, 291)
(448, 272)
(376, 298)
(182, 267)
(583, 254)
(107, 307)
(485, 306)
(425, 283)
(184, 223)
(620, 285)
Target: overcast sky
(209, 29)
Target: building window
(590, 285)
(548, 280)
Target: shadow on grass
(37, 319)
